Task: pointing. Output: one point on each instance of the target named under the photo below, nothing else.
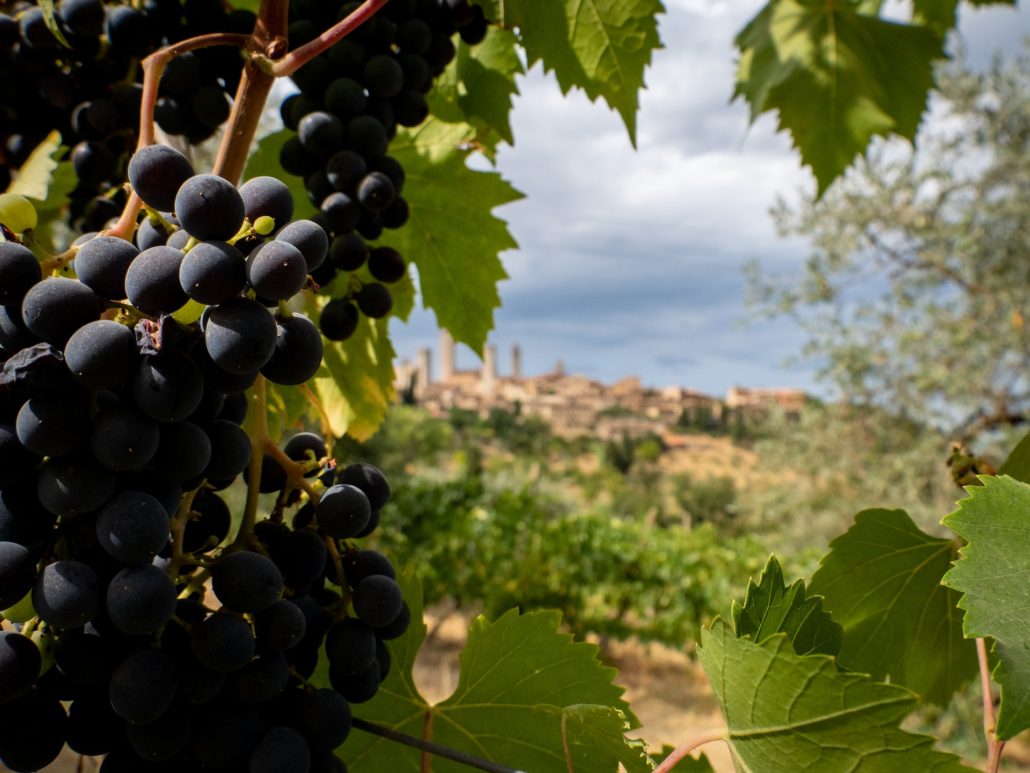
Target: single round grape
(17, 574)
(397, 627)
(230, 450)
(365, 563)
(163, 739)
(369, 479)
(102, 263)
(348, 252)
(350, 646)
(240, 336)
(357, 688)
(341, 212)
(168, 386)
(343, 511)
(309, 238)
(123, 439)
(374, 300)
(20, 662)
(152, 281)
(295, 159)
(392, 168)
(226, 737)
(72, 485)
(128, 30)
(56, 307)
(101, 354)
(376, 192)
(183, 452)
(209, 208)
(383, 76)
(246, 582)
(133, 527)
(267, 196)
(157, 172)
(211, 526)
(377, 600)
(325, 718)
(213, 272)
(34, 732)
(320, 133)
(51, 427)
(339, 319)
(66, 594)
(410, 108)
(210, 106)
(298, 352)
(386, 264)
(397, 214)
(345, 170)
(367, 136)
(281, 750)
(93, 727)
(306, 447)
(140, 599)
(277, 270)
(143, 686)
(301, 556)
(279, 627)
(344, 98)
(93, 162)
(262, 679)
(223, 642)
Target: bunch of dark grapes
(140, 633)
(352, 99)
(90, 91)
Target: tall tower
(488, 375)
(516, 361)
(423, 371)
(446, 356)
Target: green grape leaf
(771, 607)
(881, 581)
(1017, 465)
(599, 46)
(452, 236)
(526, 693)
(836, 76)
(478, 86)
(287, 407)
(786, 711)
(40, 172)
(355, 383)
(993, 575)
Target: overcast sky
(631, 262)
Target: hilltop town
(574, 404)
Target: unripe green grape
(17, 212)
(21, 612)
(264, 225)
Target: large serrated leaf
(793, 712)
(452, 236)
(771, 607)
(881, 581)
(599, 46)
(355, 382)
(837, 77)
(478, 86)
(526, 692)
(993, 576)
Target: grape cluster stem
(684, 749)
